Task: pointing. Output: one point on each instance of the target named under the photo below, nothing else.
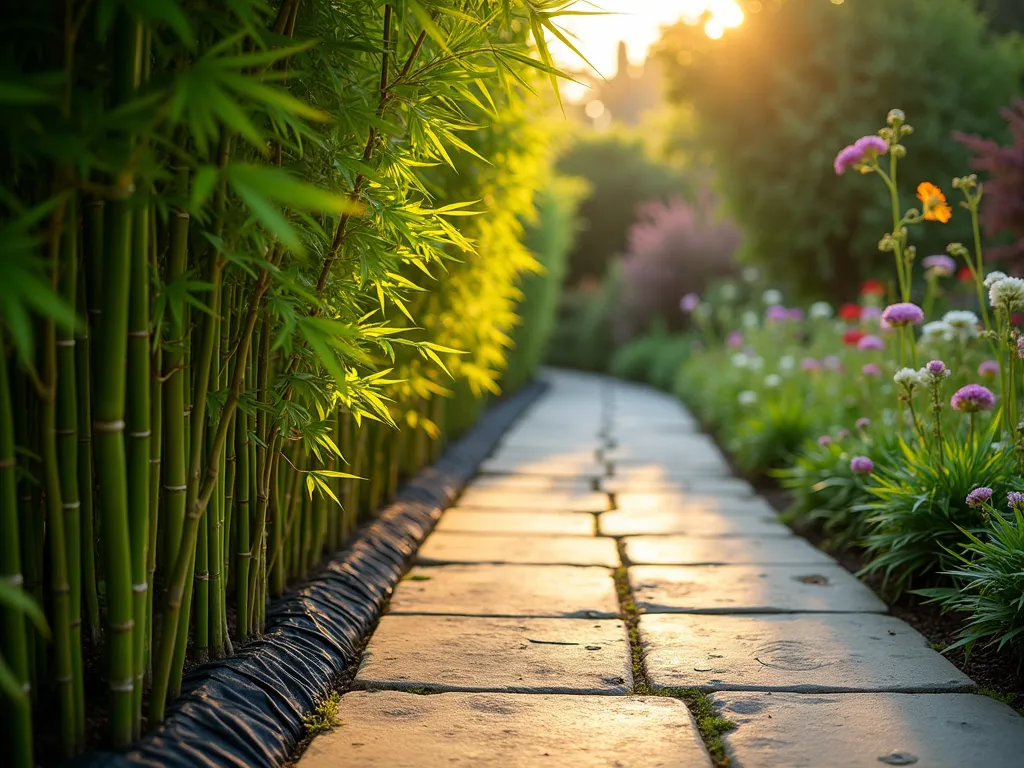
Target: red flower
(850, 338)
(1016, 319)
(850, 312)
(964, 275)
(873, 288)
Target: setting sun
(637, 23)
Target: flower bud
(957, 250)
(899, 151)
(906, 130)
(895, 117)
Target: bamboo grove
(257, 260)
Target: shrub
(776, 97)
(635, 359)
(674, 249)
(621, 175)
(582, 337)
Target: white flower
(771, 297)
(772, 380)
(1007, 294)
(820, 310)
(751, 274)
(747, 397)
(994, 277)
(740, 360)
(787, 363)
(756, 363)
(963, 322)
(909, 379)
(728, 292)
(750, 319)
(936, 331)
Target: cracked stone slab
(694, 503)
(511, 523)
(802, 653)
(710, 486)
(736, 550)
(731, 589)
(869, 730)
(524, 655)
(589, 501)
(526, 549)
(508, 590)
(548, 467)
(640, 523)
(529, 484)
(392, 729)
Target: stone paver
(750, 589)
(468, 653)
(786, 652)
(530, 484)
(690, 523)
(720, 487)
(495, 521)
(869, 730)
(443, 547)
(680, 550)
(508, 590)
(694, 503)
(546, 467)
(389, 729)
(589, 501)
(661, 473)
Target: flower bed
(894, 422)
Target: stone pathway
(507, 644)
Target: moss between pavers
(709, 723)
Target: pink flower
(689, 302)
(862, 465)
(777, 312)
(847, 158)
(810, 364)
(903, 313)
(735, 340)
(988, 369)
(870, 343)
(870, 313)
(973, 398)
(794, 314)
(863, 422)
(871, 369)
(824, 440)
(871, 146)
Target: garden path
(603, 567)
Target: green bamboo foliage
(241, 273)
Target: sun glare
(637, 23)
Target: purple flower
(871, 145)
(735, 340)
(936, 368)
(870, 313)
(940, 264)
(871, 369)
(903, 313)
(777, 312)
(862, 465)
(973, 398)
(689, 302)
(1015, 500)
(810, 364)
(824, 440)
(870, 343)
(842, 434)
(988, 369)
(833, 363)
(794, 314)
(1020, 347)
(979, 497)
(847, 158)
(863, 422)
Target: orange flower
(935, 206)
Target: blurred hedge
(776, 98)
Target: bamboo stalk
(93, 246)
(60, 588)
(18, 746)
(67, 448)
(242, 549)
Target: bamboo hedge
(257, 261)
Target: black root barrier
(247, 710)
